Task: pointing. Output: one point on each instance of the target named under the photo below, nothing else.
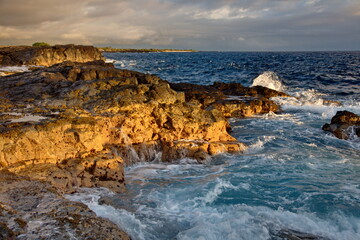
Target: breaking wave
(270, 80)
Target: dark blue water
(293, 176)
(334, 73)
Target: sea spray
(270, 80)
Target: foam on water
(259, 144)
(187, 219)
(220, 186)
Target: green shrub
(40, 44)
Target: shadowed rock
(35, 210)
(344, 125)
(289, 234)
(232, 99)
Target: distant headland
(142, 50)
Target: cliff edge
(47, 55)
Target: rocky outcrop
(344, 125)
(232, 99)
(47, 55)
(35, 210)
(77, 124)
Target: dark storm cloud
(201, 24)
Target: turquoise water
(294, 176)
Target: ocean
(293, 178)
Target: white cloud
(223, 13)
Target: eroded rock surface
(232, 99)
(35, 210)
(91, 112)
(47, 55)
(344, 125)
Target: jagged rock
(101, 170)
(344, 125)
(35, 210)
(75, 112)
(47, 55)
(232, 99)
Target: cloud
(201, 24)
(222, 13)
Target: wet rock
(35, 210)
(232, 99)
(344, 125)
(289, 234)
(47, 55)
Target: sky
(228, 25)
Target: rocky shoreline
(79, 121)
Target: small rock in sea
(344, 125)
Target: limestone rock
(344, 125)
(47, 55)
(101, 170)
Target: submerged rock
(47, 55)
(344, 125)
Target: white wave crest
(270, 80)
(218, 189)
(259, 144)
(122, 63)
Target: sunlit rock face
(47, 55)
(344, 125)
(77, 124)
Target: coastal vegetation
(40, 44)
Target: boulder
(344, 125)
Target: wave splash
(270, 80)
(305, 100)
